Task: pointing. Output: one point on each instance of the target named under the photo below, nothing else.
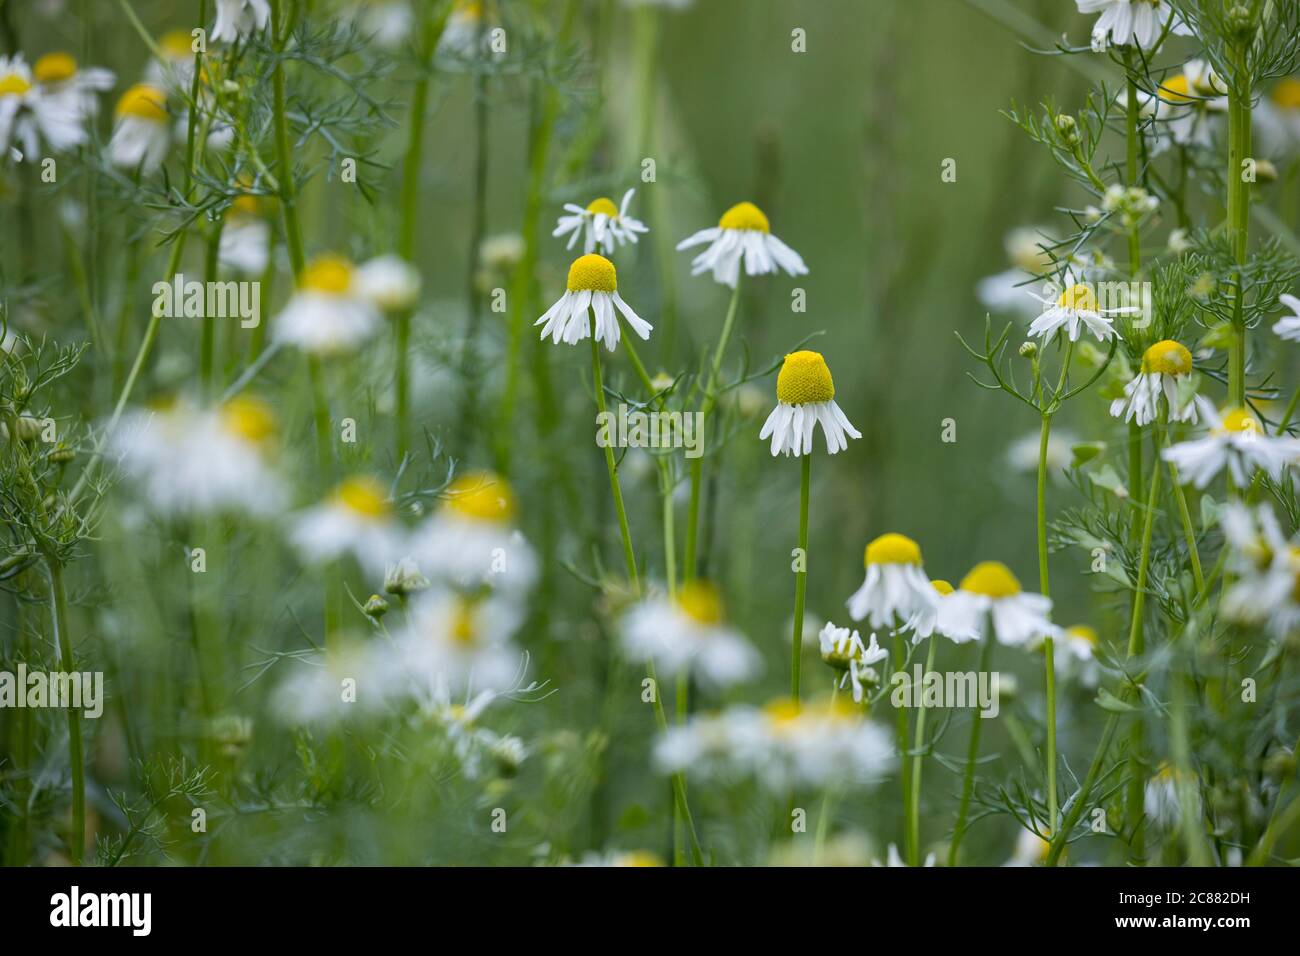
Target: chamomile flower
(473, 539)
(463, 34)
(895, 590)
(239, 19)
(1288, 327)
(1076, 311)
(387, 22)
(1125, 22)
(1031, 850)
(1022, 454)
(477, 749)
(51, 102)
(805, 397)
(688, 633)
(1278, 117)
(990, 589)
(1074, 653)
(357, 519)
(329, 313)
(1189, 101)
(1009, 291)
(390, 282)
(592, 289)
(455, 643)
(618, 858)
(194, 461)
(141, 130)
(1235, 440)
(174, 69)
(601, 225)
(843, 650)
(1161, 800)
(743, 232)
(1165, 366)
(245, 238)
(339, 684)
(404, 578)
(894, 858)
(1266, 571)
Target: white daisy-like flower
(1031, 850)
(1161, 801)
(193, 461)
(356, 519)
(239, 19)
(1009, 291)
(1266, 571)
(336, 685)
(455, 644)
(1122, 22)
(328, 314)
(1165, 366)
(894, 858)
(592, 290)
(601, 225)
(245, 237)
(990, 589)
(620, 858)
(175, 68)
(1076, 311)
(787, 743)
(141, 130)
(463, 34)
(473, 541)
(805, 398)
(1235, 440)
(476, 748)
(743, 232)
(1022, 454)
(387, 22)
(390, 282)
(895, 591)
(1074, 654)
(1278, 118)
(688, 634)
(52, 102)
(843, 649)
(1288, 327)
(1189, 102)
(404, 577)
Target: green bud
(1028, 350)
(1068, 129)
(376, 607)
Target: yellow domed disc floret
(745, 215)
(248, 418)
(144, 102)
(942, 586)
(364, 496)
(328, 274)
(804, 378)
(1175, 89)
(592, 273)
(463, 631)
(1239, 420)
(14, 84)
(1084, 633)
(991, 579)
(893, 549)
(1078, 297)
(1167, 358)
(54, 68)
(603, 206)
(1287, 93)
(481, 496)
(177, 44)
(701, 602)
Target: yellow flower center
(745, 215)
(1175, 89)
(592, 273)
(472, 9)
(328, 274)
(893, 549)
(177, 44)
(1078, 297)
(481, 496)
(144, 102)
(1287, 93)
(13, 84)
(603, 206)
(991, 579)
(783, 711)
(250, 206)
(1239, 420)
(54, 68)
(463, 631)
(364, 496)
(1167, 358)
(942, 586)
(1084, 633)
(639, 858)
(248, 418)
(804, 377)
(701, 602)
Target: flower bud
(376, 607)
(1068, 129)
(28, 428)
(1028, 350)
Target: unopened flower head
(600, 224)
(329, 313)
(141, 131)
(592, 290)
(991, 590)
(1075, 311)
(357, 519)
(895, 591)
(743, 233)
(1234, 440)
(689, 633)
(1166, 367)
(843, 650)
(806, 398)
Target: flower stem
(59, 616)
(629, 555)
(914, 804)
(1239, 92)
(1189, 531)
(1049, 650)
(801, 576)
(972, 756)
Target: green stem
(899, 661)
(1239, 92)
(1048, 644)
(800, 577)
(914, 804)
(629, 555)
(972, 756)
(59, 616)
(1189, 531)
